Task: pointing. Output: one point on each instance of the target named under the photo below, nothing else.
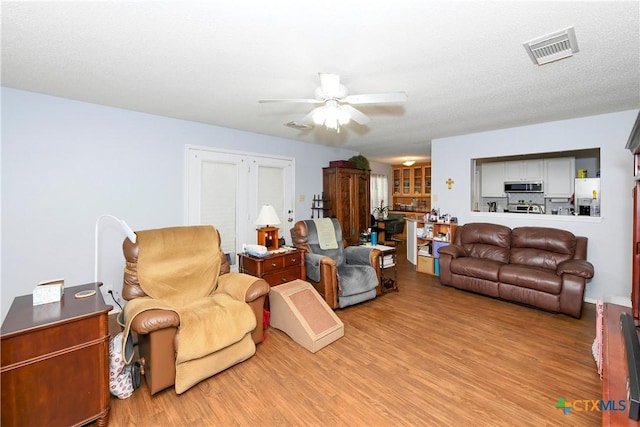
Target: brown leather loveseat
(538, 266)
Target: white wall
(64, 163)
(609, 236)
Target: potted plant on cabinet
(361, 162)
(381, 211)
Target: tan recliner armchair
(174, 277)
(344, 275)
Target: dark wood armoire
(347, 192)
(617, 359)
(633, 145)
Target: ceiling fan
(337, 105)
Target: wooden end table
(276, 268)
(388, 269)
(55, 361)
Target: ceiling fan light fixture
(343, 116)
(336, 107)
(332, 116)
(319, 116)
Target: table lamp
(268, 235)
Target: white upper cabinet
(492, 179)
(559, 177)
(524, 170)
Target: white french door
(227, 189)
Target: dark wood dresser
(55, 361)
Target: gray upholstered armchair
(343, 275)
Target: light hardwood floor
(426, 355)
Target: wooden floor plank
(426, 355)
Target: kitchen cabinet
(524, 170)
(347, 192)
(411, 181)
(559, 177)
(396, 181)
(411, 184)
(492, 179)
(406, 181)
(417, 180)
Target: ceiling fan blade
(330, 85)
(299, 101)
(376, 98)
(308, 119)
(356, 115)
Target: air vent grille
(552, 47)
(299, 126)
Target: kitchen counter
(488, 216)
(418, 212)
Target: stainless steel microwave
(523, 187)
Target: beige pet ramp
(298, 310)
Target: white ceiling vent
(552, 47)
(299, 126)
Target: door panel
(346, 206)
(274, 183)
(227, 190)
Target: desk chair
(392, 230)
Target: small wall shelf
(319, 207)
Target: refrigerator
(586, 197)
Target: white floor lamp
(127, 230)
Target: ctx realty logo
(582, 405)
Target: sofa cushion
(484, 240)
(537, 278)
(541, 246)
(476, 267)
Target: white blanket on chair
(326, 233)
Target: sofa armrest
(361, 255)
(151, 320)
(577, 267)
(242, 287)
(453, 250)
(315, 263)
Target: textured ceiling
(461, 64)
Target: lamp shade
(267, 216)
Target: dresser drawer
(273, 264)
(283, 276)
(292, 259)
(41, 342)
